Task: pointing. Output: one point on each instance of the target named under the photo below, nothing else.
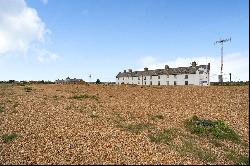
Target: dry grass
(79, 124)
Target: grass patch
(217, 129)
(189, 146)
(166, 136)
(8, 138)
(155, 117)
(79, 97)
(27, 89)
(136, 128)
(238, 159)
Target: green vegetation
(136, 128)
(157, 117)
(238, 159)
(84, 97)
(81, 108)
(27, 89)
(189, 147)
(8, 138)
(16, 104)
(166, 136)
(233, 83)
(93, 115)
(55, 97)
(1, 109)
(68, 107)
(217, 129)
(98, 81)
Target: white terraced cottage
(192, 75)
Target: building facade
(69, 81)
(192, 75)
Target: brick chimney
(193, 64)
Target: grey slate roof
(169, 71)
(68, 80)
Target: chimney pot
(166, 67)
(193, 64)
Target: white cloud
(20, 26)
(148, 60)
(45, 56)
(44, 2)
(235, 63)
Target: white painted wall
(193, 79)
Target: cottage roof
(167, 71)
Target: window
(150, 77)
(138, 83)
(123, 78)
(186, 76)
(145, 78)
(159, 83)
(150, 82)
(186, 82)
(145, 82)
(167, 82)
(138, 78)
(175, 83)
(159, 77)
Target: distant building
(69, 81)
(192, 75)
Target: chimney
(145, 69)
(193, 64)
(166, 67)
(130, 70)
(124, 71)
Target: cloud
(45, 56)
(148, 60)
(44, 2)
(235, 63)
(20, 26)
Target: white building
(192, 75)
(69, 81)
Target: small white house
(192, 75)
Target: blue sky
(51, 39)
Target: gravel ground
(112, 124)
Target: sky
(51, 39)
